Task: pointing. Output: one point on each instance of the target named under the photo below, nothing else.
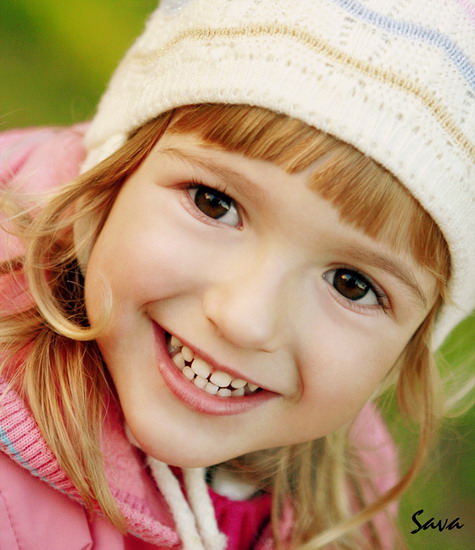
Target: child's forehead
(256, 133)
(359, 187)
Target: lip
(196, 399)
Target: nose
(247, 307)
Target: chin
(179, 459)
(178, 455)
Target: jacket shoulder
(36, 516)
(36, 161)
(39, 159)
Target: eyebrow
(385, 263)
(238, 181)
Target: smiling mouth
(204, 376)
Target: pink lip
(197, 399)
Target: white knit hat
(395, 78)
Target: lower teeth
(200, 382)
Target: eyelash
(381, 297)
(194, 184)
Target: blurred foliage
(55, 60)
(56, 57)
(446, 486)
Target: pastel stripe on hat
(382, 74)
(411, 30)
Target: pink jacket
(39, 507)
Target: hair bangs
(367, 196)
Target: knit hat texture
(394, 78)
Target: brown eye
(356, 288)
(215, 205)
(350, 284)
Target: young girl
(273, 227)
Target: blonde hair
(63, 368)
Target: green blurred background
(55, 59)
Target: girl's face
(259, 282)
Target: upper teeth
(213, 381)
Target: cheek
(339, 378)
(139, 263)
